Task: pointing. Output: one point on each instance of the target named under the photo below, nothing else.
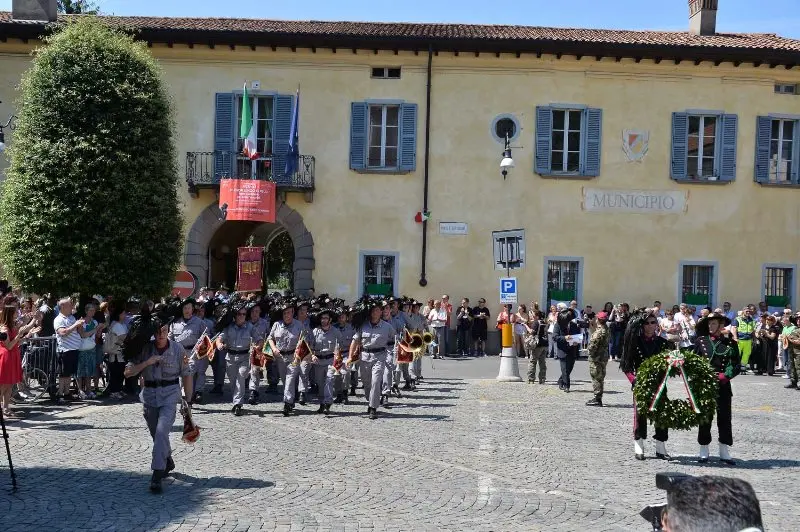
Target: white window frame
(565, 132)
(714, 279)
(773, 176)
(269, 128)
(384, 112)
(503, 255)
(792, 282)
(385, 72)
(362, 258)
(578, 277)
(701, 146)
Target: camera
(666, 482)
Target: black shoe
(373, 413)
(170, 466)
(345, 400)
(328, 408)
(287, 409)
(302, 399)
(216, 390)
(321, 409)
(353, 391)
(237, 410)
(407, 386)
(155, 481)
(541, 381)
(597, 401)
(386, 403)
(639, 456)
(339, 399)
(253, 398)
(198, 398)
(566, 389)
(663, 456)
(382, 398)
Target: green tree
(280, 261)
(75, 7)
(90, 200)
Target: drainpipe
(422, 280)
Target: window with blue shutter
(282, 124)
(225, 134)
(383, 137)
(408, 137)
(777, 150)
(568, 141)
(704, 146)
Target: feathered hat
(225, 313)
(633, 331)
(146, 324)
(701, 329)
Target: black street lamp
(507, 163)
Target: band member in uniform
(305, 385)
(201, 364)
(598, 358)
(391, 358)
(723, 355)
(398, 321)
(326, 343)
(186, 330)
(283, 339)
(416, 324)
(165, 366)
(372, 337)
(347, 376)
(260, 330)
(639, 343)
(236, 339)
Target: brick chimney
(39, 10)
(703, 17)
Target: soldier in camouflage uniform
(598, 358)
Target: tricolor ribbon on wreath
(675, 362)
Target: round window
(505, 125)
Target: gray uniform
(187, 333)
(416, 323)
(374, 340)
(286, 338)
(260, 331)
(340, 380)
(161, 392)
(237, 342)
(324, 343)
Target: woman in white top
(669, 329)
(520, 319)
(113, 349)
(438, 320)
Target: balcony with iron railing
(206, 169)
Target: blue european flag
(293, 155)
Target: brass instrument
(427, 338)
(410, 347)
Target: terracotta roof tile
(424, 32)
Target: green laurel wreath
(677, 413)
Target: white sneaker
(786, 376)
(661, 450)
(725, 454)
(638, 449)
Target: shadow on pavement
(714, 463)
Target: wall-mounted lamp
(507, 162)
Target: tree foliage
(280, 260)
(76, 7)
(90, 200)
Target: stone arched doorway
(196, 253)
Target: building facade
(648, 165)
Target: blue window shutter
(795, 155)
(225, 134)
(358, 135)
(407, 157)
(592, 139)
(763, 131)
(544, 139)
(281, 128)
(727, 166)
(680, 145)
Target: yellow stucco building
(648, 165)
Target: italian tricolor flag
(248, 130)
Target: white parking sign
(508, 290)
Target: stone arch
(195, 252)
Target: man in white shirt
(686, 324)
(68, 342)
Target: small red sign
(247, 200)
(185, 284)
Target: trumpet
(427, 338)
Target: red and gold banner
(248, 274)
(247, 199)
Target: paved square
(462, 453)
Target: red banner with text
(248, 200)
(248, 275)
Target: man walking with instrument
(260, 330)
(283, 339)
(237, 340)
(187, 330)
(372, 338)
(326, 344)
(723, 355)
(163, 364)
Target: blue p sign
(509, 286)
(508, 290)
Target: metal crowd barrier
(38, 368)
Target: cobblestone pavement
(464, 452)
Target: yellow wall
(625, 256)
